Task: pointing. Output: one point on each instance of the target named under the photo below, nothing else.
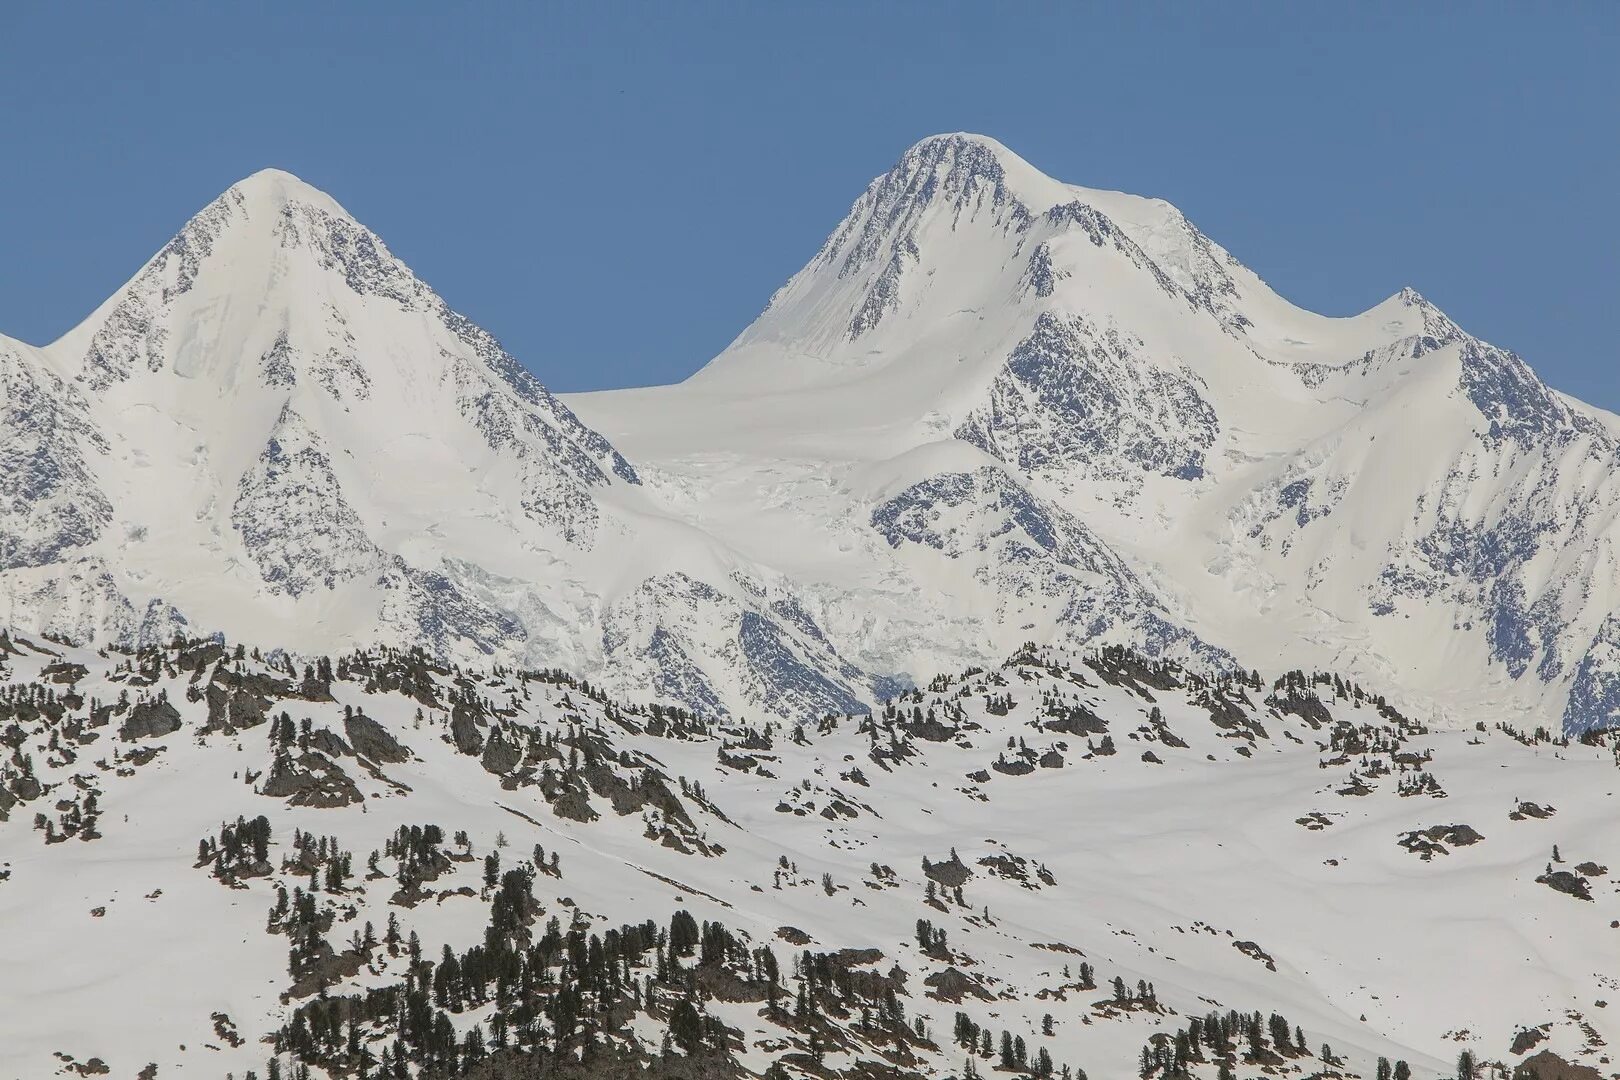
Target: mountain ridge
(974, 342)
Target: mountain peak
(276, 188)
(1409, 313)
(957, 161)
(957, 141)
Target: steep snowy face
(273, 289)
(50, 503)
(875, 259)
(920, 253)
(276, 426)
(277, 431)
(1036, 563)
(1072, 400)
(966, 293)
(1383, 491)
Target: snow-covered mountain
(1382, 493)
(276, 430)
(994, 408)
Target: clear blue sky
(616, 192)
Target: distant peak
(1407, 298)
(961, 163)
(1409, 312)
(277, 188)
(271, 176)
(956, 141)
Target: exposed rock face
(1549, 1066)
(955, 985)
(231, 710)
(465, 731)
(952, 873)
(501, 755)
(372, 741)
(50, 505)
(1427, 843)
(310, 779)
(150, 720)
(1075, 400)
(1254, 951)
(1567, 883)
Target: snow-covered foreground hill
(203, 868)
(993, 408)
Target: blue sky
(615, 190)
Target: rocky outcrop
(372, 741)
(150, 720)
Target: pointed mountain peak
(960, 164)
(959, 144)
(1409, 313)
(271, 236)
(274, 285)
(259, 209)
(275, 189)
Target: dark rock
(929, 729)
(150, 720)
(464, 730)
(312, 779)
(329, 743)
(953, 985)
(1567, 883)
(501, 755)
(231, 710)
(570, 800)
(1549, 1066)
(1255, 952)
(1432, 841)
(1303, 704)
(1018, 767)
(64, 673)
(372, 741)
(1075, 720)
(952, 874)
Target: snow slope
(1238, 844)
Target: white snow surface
(1155, 869)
